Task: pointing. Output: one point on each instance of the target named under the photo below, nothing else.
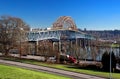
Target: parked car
(14, 51)
(67, 58)
(72, 59)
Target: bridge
(64, 34)
(57, 35)
(63, 27)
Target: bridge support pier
(36, 48)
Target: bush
(106, 61)
(114, 61)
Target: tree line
(104, 34)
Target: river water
(102, 50)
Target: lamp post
(21, 29)
(110, 74)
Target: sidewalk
(67, 73)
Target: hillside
(104, 34)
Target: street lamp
(110, 74)
(21, 29)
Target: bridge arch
(64, 22)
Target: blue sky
(89, 14)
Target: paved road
(51, 70)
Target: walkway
(51, 70)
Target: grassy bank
(11, 72)
(68, 67)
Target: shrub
(106, 61)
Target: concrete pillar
(36, 48)
(58, 52)
(53, 43)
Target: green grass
(76, 69)
(115, 45)
(67, 67)
(11, 72)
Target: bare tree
(45, 48)
(75, 51)
(12, 32)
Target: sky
(89, 14)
